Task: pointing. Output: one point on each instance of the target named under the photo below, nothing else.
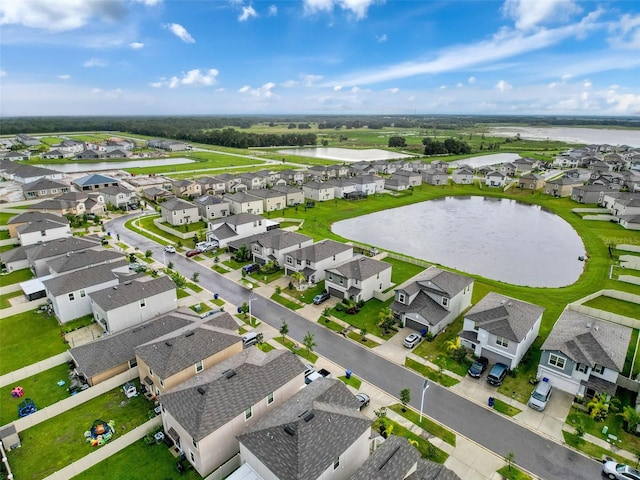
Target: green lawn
(181, 293)
(367, 317)
(59, 441)
(27, 338)
(195, 287)
(161, 237)
(5, 217)
(266, 277)
(16, 276)
(430, 373)
(6, 248)
(306, 296)
(505, 408)
(189, 227)
(426, 449)
(352, 381)
(615, 426)
(358, 338)
(285, 302)
(42, 388)
(427, 425)
(203, 160)
(330, 324)
(402, 271)
(4, 299)
(613, 305)
(312, 357)
(591, 449)
(512, 473)
(4, 235)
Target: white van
(540, 396)
(249, 339)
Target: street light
(425, 386)
(251, 298)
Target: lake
(588, 136)
(493, 159)
(344, 154)
(500, 239)
(113, 165)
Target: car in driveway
(412, 340)
(321, 297)
(193, 253)
(364, 400)
(170, 249)
(540, 396)
(478, 367)
(252, 267)
(497, 374)
(137, 267)
(619, 471)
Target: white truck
(322, 373)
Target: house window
(330, 277)
(503, 342)
(150, 372)
(133, 363)
(270, 398)
(43, 233)
(193, 457)
(199, 366)
(476, 326)
(161, 383)
(445, 301)
(598, 369)
(54, 190)
(248, 413)
(336, 463)
(581, 367)
(72, 297)
(143, 303)
(43, 192)
(401, 297)
(195, 444)
(83, 293)
(557, 361)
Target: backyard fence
(395, 256)
(172, 231)
(224, 470)
(34, 368)
(608, 316)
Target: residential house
(204, 414)
(235, 227)
(531, 181)
(294, 195)
(233, 183)
(396, 184)
(16, 156)
(56, 154)
(584, 355)
(132, 302)
(44, 188)
(414, 179)
(292, 176)
(433, 300)
(319, 192)
(119, 143)
(211, 207)
(157, 194)
(578, 174)
(117, 153)
(27, 140)
(94, 181)
(119, 196)
(494, 178)
(41, 254)
(244, 203)
(462, 175)
(110, 355)
(20, 173)
(630, 222)
(275, 244)
(561, 187)
(91, 155)
(358, 279)
(342, 187)
(68, 293)
(613, 180)
(45, 230)
(315, 259)
(369, 184)
(186, 188)
(317, 434)
(253, 181)
(176, 211)
(631, 180)
(29, 217)
(508, 169)
(166, 362)
(211, 185)
(272, 200)
(526, 164)
(168, 145)
(609, 197)
(70, 146)
(82, 259)
(73, 203)
(501, 328)
(626, 206)
(435, 176)
(587, 193)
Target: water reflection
(113, 165)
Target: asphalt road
(545, 458)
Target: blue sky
(149, 57)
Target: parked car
(363, 398)
(619, 471)
(412, 340)
(137, 267)
(308, 370)
(478, 367)
(252, 267)
(170, 249)
(497, 374)
(321, 297)
(193, 253)
(540, 396)
(206, 246)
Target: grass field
(609, 304)
(427, 425)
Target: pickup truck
(319, 374)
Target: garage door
(417, 326)
(335, 293)
(494, 357)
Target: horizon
(149, 58)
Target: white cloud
(195, 77)
(272, 11)
(136, 45)
(381, 38)
(626, 32)
(247, 13)
(180, 32)
(3, 73)
(566, 77)
(289, 84)
(337, 88)
(355, 90)
(110, 94)
(358, 8)
(471, 80)
(587, 84)
(459, 85)
(623, 103)
(393, 90)
(149, 3)
(503, 86)
(64, 77)
(529, 14)
(443, 87)
(94, 62)
(244, 89)
(265, 91)
(155, 84)
(310, 80)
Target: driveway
(393, 348)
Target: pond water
(484, 160)
(501, 239)
(344, 154)
(588, 136)
(113, 165)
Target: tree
(242, 254)
(509, 458)
(598, 407)
(179, 279)
(170, 265)
(631, 418)
(309, 342)
(363, 334)
(397, 141)
(284, 329)
(405, 398)
(195, 276)
(148, 253)
(244, 308)
(298, 277)
(386, 319)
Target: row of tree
(449, 146)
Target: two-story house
(433, 300)
(44, 230)
(320, 192)
(368, 184)
(584, 355)
(242, 202)
(271, 199)
(358, 278)
(495, 179)
(342, 187)
(313, 260)
(186, 188)
(293, 195)
(235, 227)
(211, 207)
(462, 175)
(274, 247)
(119, 196)
(176, 211)
(561, 187)
(44, 188)
(29, 217)
(531, 181)
(501, 328)
(435, 176)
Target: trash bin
(491, 400)
(605, 429)
(348, 374)
(215, 296)
(239, 309)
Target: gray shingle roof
(238, 219)
(589, 341)
(222, 320)
(331, 424)
(505, 316)
(40, 225)
(27, 217)
(112, 350)
(360, 268)
(83, 258)
(257, 374)
(174, 353)
(94, 179)
(282, 240)
(439, 281)
(267, 193)
(131, 291)
(253, 238)
(425, 306)
(43, 184)
(60, 246)
(177, 204)
(320, 250)
(241, 197)
(87, 277)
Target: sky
(236, 57)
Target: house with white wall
(275, 244)
(314, 259)
(43, 231)
(176, 211)
(242, 202)
(235, 227)
(358, 278)
(320, 192)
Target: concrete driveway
(393, 349)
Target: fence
(225, 469)
(629, 248)
(171, 231)
(34, 368)
(395, 256)
(608, 316)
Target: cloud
(289, 84)
(149, 3)
(110, 94)
(195, 77)
(587, 84)
(310, 80)
(136, 45)
(272, 11)
(623, 103)
(247, 13)
(393, 90)
(529, 14)
(337, 88)
(355, 90)
(503, 86)
(180, 32)
(3, 73)
(94, 62)
(64, 77)
(471, 80)
(59, 15)
(381, 38)
(265, 91)
(626, 32)
(356, 7)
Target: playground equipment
(130, 390)
(101, 432)
(26, 407)
(17, 392)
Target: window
(557, 361)
(150, 372)
(248, 413)
(598, 369)
(43, 192)
(401, 297)
(336, 463)
(503, 342)
(143, 303)
(161, 383)
(193, 457)
(43, 233)
(133, 363)
(54, 190)
(83, 293)
(270, 398)
(580, 367)
(476, 326)
(445, 301)
(195, 444)
(72, 297)
(330, 277)
(199, 366)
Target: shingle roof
(205, 403)
(267, 193)
(131, 291)
(60, 246)
(439, 281)
(282, 239)
(40, 225)
(25, 171)
(238, 219)
(360, 268)
(209, 200)
(174, 353)
(324, 421)
(83, 258)
(35, 216)
(43, 184)
(114, 190)
(588, 340)
(241, 197)
(252, 238)
(565, 181)
(222, 320)
(112, 350)
(320, 250)
(94, 179)
(505, 316)
(177, 204)
(87, 277)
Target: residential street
(545, 458)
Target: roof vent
(168, 343)
(588, 325)
(128, 282)
(509, 304)
(201, 390)
(308, 416)
(230, 373)
(189, 334)
(289, 430)
(596, 328)
(115, 287)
